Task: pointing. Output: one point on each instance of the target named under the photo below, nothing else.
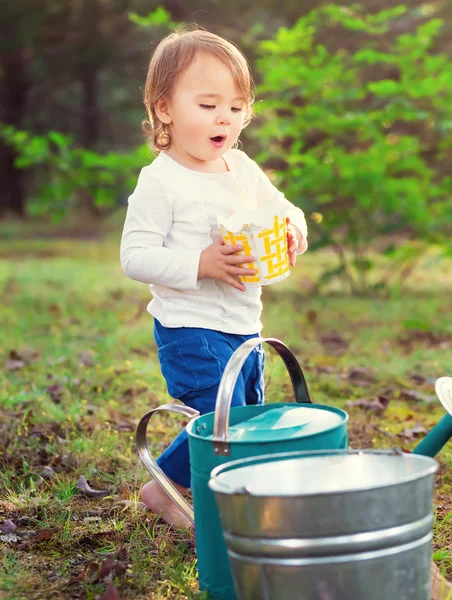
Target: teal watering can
(237, 433)
(243, 432)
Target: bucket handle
(151, 464)
(229, 379)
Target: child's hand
(295, 241)
(219, 261)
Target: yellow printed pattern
(274, 261)
(239, 238)
(276, 256)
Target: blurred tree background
(353, 111)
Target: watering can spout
(442, 432)
(436, 439)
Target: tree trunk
(90, 75)
(91, 116)
(90, 109)
(12, 197)
(13, 95)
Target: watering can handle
(150, 463)
(229, 379)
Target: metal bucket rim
(339, 411)
(218, 486)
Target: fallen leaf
(7, 508)
(131, 393)
(111, 567)
(334, 342)
(362, 376)
(84, 488)
(54, 309)
(8, 527)
(415, 396)
(123, 426)
(14, 365)
(92, 519)
(123, 555)
(90, 513)
(70, 461)
(9, 537)
(111, 593)
(86, 358)
(26, 354)
(405, 394)
(95, 572)
(323, 369)
(377, 404)
(47, 473)
(55, 391)
(130, 504)
(384, 432)
(417, 378)
(89, 573)
(411, 432)
(311, 316)
(42, 536)
(91, 537)
(140, 351)
(420, 337)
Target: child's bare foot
(159, 502)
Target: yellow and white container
(263, 234)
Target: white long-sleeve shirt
(172, 216)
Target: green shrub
(65, 175)
(359, 138)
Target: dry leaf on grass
(95, 572)
(411, 432)
(111, 593)
(14, 365)
(376, 404)
(42, 536)
(361, 376)
(8, 527)
(83, 486)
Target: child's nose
(223, 119)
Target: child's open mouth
(218, 140)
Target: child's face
(206, 113)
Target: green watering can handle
(150, 463)
(442, 432)
(229, 379)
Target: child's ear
(162, 110)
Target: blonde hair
(172, 57)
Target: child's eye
(207, 106)
(235, 109)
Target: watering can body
(213, 564)
(238, 433)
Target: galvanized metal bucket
(328, 525)
(237, 433)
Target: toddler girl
(198, 97)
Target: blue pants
(192, 361)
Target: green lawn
(79, 369)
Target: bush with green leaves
(64, 175)
(360, 137)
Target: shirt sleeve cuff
(189, 269)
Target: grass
(80, 369)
